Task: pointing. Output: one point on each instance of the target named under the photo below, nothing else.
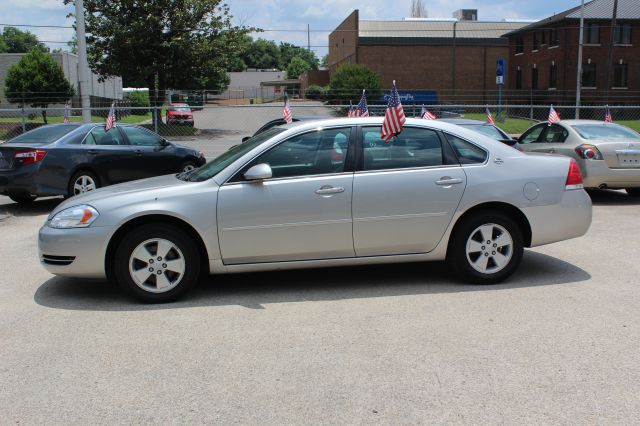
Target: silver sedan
(323, 193)
(608, 154)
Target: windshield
(180, 108)
(486, 130)
(605, 132)
(216, 165)
(43, 135)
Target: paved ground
(398, 344)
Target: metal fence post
(157, 115)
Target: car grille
(57, 260)
(179, 117)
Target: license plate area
(629, 158)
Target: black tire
(78, 176)
(187, 166)
(149, 291)
(633, 192)
(462, 263)
(23, 198)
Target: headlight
(74, 217)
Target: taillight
(574, 178)
(588, 152)
(30, 157)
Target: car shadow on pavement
(609, 197)
(35, 208)
(255, 290)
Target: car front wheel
(486, 248)
(156, 263)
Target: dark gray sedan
(71, 159)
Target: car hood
(134, 191)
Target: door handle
(92, 152)
(446, 181)
(328, 190)
(138, 152)
(551, 151)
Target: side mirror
(258, 172)
(246, 138)
(510, 142)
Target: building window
(518, 78)
(591, 34)
(553, 75)
(620, 75)
(543, 37)
(588, 75)
(554, 39)
(622, 34)
(534, 78)
(519, 44)
(535, 41)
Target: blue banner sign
(415, 96)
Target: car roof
(574, 121)
(464, 121)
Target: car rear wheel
(633, 192)
(486, 248)
(23, 198)
(82, 182)
(156, 263)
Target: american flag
(362, 110)
(608, 118)
(286, 111)
(111, 118)
(554, 117)
(352, 110)
(489, 116)
(427, 115)
(393, 116)
(66, 114)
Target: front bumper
(74, 252)
(566, 219)
(597, 174)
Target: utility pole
(610, 55)
(579, 76)
(308, 38)
(83, 67)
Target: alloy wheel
(157, 265)
(489, 248)
(83, 184)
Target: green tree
(162, 44)
(37, 80)
(262, 54)
(350, 79)
(289, 51)
(325, 61)
(296, 67)
(13, 40)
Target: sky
(291, 17)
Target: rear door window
(414, 147)
(532, 135)
(467, 152)
(98, 136)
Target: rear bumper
(569, 218)
(24, 180)
(597, 174)
(74, 252)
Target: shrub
(314, 92)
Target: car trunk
(8, 152)
(620, 155)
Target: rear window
(43, 135)
(485, 129)
(605, 132)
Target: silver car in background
(323, 193)
(608, 154)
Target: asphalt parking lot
(558, 343)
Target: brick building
(454, 58)
(543, 56)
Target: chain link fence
(236, 121)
